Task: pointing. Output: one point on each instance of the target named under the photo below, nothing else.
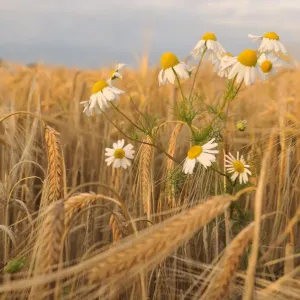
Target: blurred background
(96, 33)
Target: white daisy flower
(209, 42)
(238, 167)
(270, 42)
(119, 155)
(244, 67)
(102, 93)
(268, 65)
(219, 63)
(170, 64)
(116, 72)
(202, 154)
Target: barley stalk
(158, 241)
(219, 287)
(289, 262)
(250, 278)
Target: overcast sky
(94, 33)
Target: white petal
(116, 91)
(189, 165)
(170, 76)
(234, 176)
(108, 94)
(121, 143)
(247, 76)
(120, 66)
(117, 163)
(220, 49)
(205, 159)
(255, 37)
(209, 146)
(128, 147)
(109, 151)
(245, 177)
(211, 151)
(262, 58)
(263, 45)
(160, 77)
(181, 70)
(276, 46)
(235, 70)
(253, 71)
(226, 63)
(200, 44)
(102, 102)
(110, 160)
(93, 100)
(125, 163)
(248, 171)
(231, 156)
(282, 47)
(129, 154)
(241, 74)
(209, 44)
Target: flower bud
(241, 125)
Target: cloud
(53, 28)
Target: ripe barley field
(72, 227)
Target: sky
(97, 33)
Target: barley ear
(49, 246)
(55, 171)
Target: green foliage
(231, 90)
(185, 111)
(149, 124)
(199, 136)
(15, 265)
(175, 180)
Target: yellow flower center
(99, 86)
(271, 36)
(119, 153)
(209, 36)
(248, 58)
(194, 152)
(266, 66)
(238, 166)
(168, 60)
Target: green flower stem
(226, 100)
(141, 142)
(221, 173)
(179, 84)
(196, 73)
(135, 106)
(118, 110)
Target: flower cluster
(246, 67)
(205, 155)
